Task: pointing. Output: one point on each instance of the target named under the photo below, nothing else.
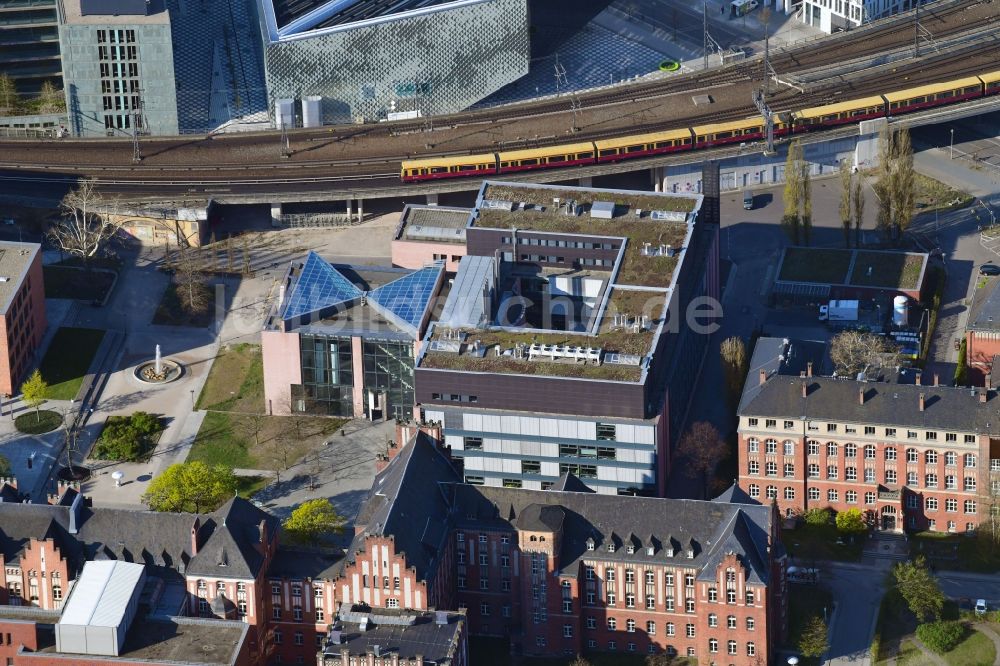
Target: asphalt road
(857, 590)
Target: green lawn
(888, 269)
(32, 423)
(975, 650)
(236, 432)
(819, 542)
(77, 283)
(68, 359)
(957, 551)
(804, 264)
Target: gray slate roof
(886, 404)
(714, 528)
(155, 539)
(984, 315)
(406, 503)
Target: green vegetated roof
(864, 268)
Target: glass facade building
(439, 59)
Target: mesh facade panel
(441, 62)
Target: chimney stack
(937, 379)
(809, 369)
(918, 378)
(921, 402)
(194, 536)
(262, 532)
(989, 380)
(805, 390)
(982, 395)
(861, 395)
(802, 374)
(763, 376)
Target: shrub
(941, 636)
(819, 517)
(127, 437)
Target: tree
(128, 437)
(859, 210)
(50, 98)
(312, 520)
(903, 181)
(790, 220)
(190, 280)
(34, 391)
(8, 95)
(733, 354)
(919, 588)
(817, 517)
(190, 486)
(6, 471)
(703, 448)
(851, 521)
(844, 209)
(853, 351)
(87, 223)
(813, 639)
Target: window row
(868, 451)
(871, 431)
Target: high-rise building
(29, 44)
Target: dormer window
(650, 551)
(590, 544)
(690, 553)
(611, 547)
(630, 549)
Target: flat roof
(73, 15)
(408, 634)
(178, 640)
(627, 309)
(15, 259)
(102, 593)
(984, 315)
(435, 224)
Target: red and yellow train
(702, 136)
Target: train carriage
(543, 158)
(736, 131)
(991, 83)
(851, 111)
(435, 168)
(923, 97)
(639, 145)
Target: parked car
(803, 575)
(989, 269)
(981, 607)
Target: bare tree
(845, 200)
(989, 501)
(9, 98)
(733, 354)
(87, 223)
(50, 98)
(853, 351)
(190, 280)
(229, 253)
(859, 210)
(703, 449)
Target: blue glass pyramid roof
(407, 297)
(320, 286)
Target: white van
(803, 575)
(739, 8)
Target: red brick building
(22, 311)
(982, 332)
(910, 456)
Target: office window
(812, 447)
(789, 447)
(851, 496)
(950, 458)
(831, 471)
(813, 471)
(831, 449)
(789, 470)
(813, 493)
(869, 475)
(831, 496)
(970, 506)
(951, 505)
(931, 457)
(771, 468)
(930, 480)
(753, 467)
(789, 493)
(751, 624)
(890, 453)
(851, 473)
(912, 456)
(771, 446)
(890, 476)
(713, 620)
(969, 484)
(731, 622)
(606, 432)
(771, 492)
(753, 445)
(689, 630)
(969, 460)
(931, 504)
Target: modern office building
(342, 339)
(836, 15)
(568, 341)
(118, 67)
(22, 311)
(346, 60)
(915, 456)
(29, 44)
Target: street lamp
(952, 144)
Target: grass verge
(235, 382)
(32, 423)
(68, 359)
